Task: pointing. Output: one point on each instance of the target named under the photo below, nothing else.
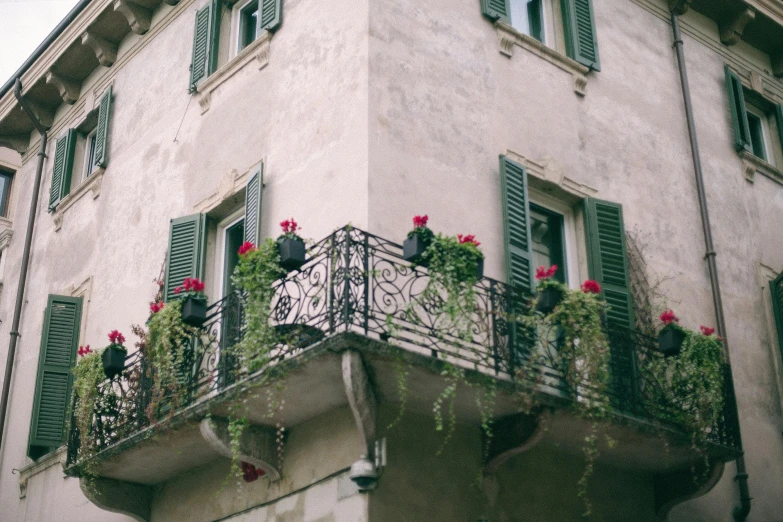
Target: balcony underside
(315, 386)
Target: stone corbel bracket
(677, 487)
(105, 51)
(361, 398)
(256, 446)
(732, 29)
(508, 38)
(20, 143)
(69, 90)
(139, 17)
(513, 435)
(117, 496)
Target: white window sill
(258, 51)
(509, 37)
(92, 183)
(45, 462)
(753, 164)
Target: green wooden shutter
(776, 291)
(580, 35)
(739, 114)
(199, 66)
(187, 247)
(53, 386)
(102, 132)
(496, 10)
(607, 258)
(779, 118)
(516, 225)
(270, 15)
(253, 197)
(63, 166)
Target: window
(546, 229)
(6, 176)
(232, 235)
(248, 24)
(527, 16)
(759, 125)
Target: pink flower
(115, 337)
(668, 317)
(591, 287)
(84, 350)
(545, 273)
(289, 226)
(706, 330)
(178, 290)
(156, 307)
(468, 239)
(420, 221)
(246, 248)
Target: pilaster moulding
(549, 170)
(751, 165)
(29, 471)
(508, 38)
(773, 86)
(257, 53)
(92, 184)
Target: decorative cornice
(139, 17)
(731, 32)
(69, 90)
(105, 51)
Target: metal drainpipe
(9, 365)
(740, 512)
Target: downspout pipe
(740, 512)
(28, 240)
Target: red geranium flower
(668, 317)
(246, 248)
(591, 287)
(420, 221)
(178, 290)
(115, 337)
(84, 350)
(289, 226)
(469, 238)
(545, 273)
(706, 330)
(156, 307)
(251, 473)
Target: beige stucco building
(368, 113)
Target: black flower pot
(413, 248)
(548, 299)
(292, 253)
(670, 341)
(113, 361)
(480, 268)
(194, 311)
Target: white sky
(25, 24)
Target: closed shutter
(739, 114)
(776, 291)
(63, 166)
(516, 225)
(496, 10)
(102, 132)
(270, 15)
(187, 246)
(53, 386)
(199, 67)
(580, 34)
(253, 197)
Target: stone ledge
(32, 469)
(753, 164)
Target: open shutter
(779, 118)
(496, 10)
(253, 196)
(270, 15)
(739, 114)
(516, 223)
(199, 67)
(53, 386)
(102, 132)
(776, 291)
(580, 36)
(61, 171)
(187, 246)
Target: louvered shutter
(253, 197)
(63, 166)
(776, 291)
(199, 67)
(580, 35)
(779, 117)
(187, 246)
(270, 15)
(102, 132)
(53, 386)
(496, 10)
(739, 114)
(516, 225)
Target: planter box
(480, 268)
(113, 361)
(548, 299)
(413, 248)
(194, 311)
(292, 253)
(670, 341)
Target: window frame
(220, 275)
(90, 142)
(5, 198)
(755, 110)
(570, 233)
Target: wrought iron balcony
(357, 282)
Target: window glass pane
(248, 23)
(546, 228)
(235, 236)
(757, 135)
(526, 17)
(90, 155)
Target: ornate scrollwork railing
(356, 281)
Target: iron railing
(356, 281)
